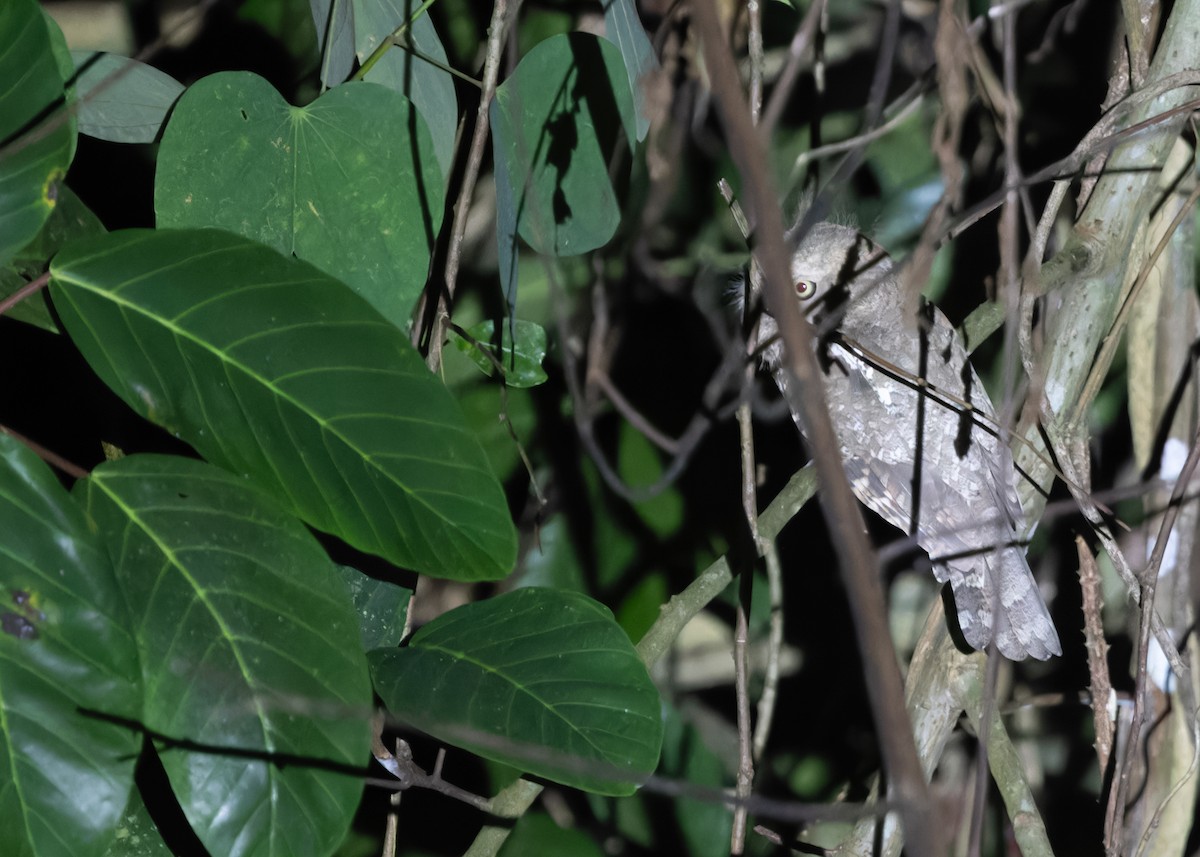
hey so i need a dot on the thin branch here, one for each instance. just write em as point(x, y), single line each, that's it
point(497, 30)
point(745, 772)
point(770, 690)
point(51, 458)
point(909, 102)
point(741, 638)
point(782, 92)
point(1100, 685)
point(755, 47)
point(30, 288)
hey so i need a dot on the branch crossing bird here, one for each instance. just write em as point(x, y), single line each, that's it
point(959, 496)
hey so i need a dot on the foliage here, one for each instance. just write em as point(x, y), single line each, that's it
point(264, 443)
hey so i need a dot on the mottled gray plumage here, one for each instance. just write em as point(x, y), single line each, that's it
point(969, 516)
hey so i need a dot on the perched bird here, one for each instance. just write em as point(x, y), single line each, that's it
point(958, 495)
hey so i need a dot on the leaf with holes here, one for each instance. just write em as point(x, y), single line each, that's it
point(250, 647)
point(281, 373)
point(542, 680)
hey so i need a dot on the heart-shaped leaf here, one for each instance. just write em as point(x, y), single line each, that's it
point(349, 183)
point(64, 651)
point(276, 371)
point(250, 646)
point(555, 122)
point(542, 680)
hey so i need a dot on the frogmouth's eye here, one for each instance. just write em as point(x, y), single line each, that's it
point(805, 289)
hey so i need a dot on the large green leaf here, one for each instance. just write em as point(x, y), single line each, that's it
point(543, 680)
point(121, 99)
point(250, 649)
point(36, 141)
point(278, 372)
point(349, 183)
point(64, 651)
point(554, 125)
point(430, 88)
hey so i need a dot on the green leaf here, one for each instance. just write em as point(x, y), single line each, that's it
point(639, 465)
point(706, 828)
point(69, 220)
point(381, 607)
point(120, 99)
point(542, 680)
point(522, 364)
point(37, 141)
point(349, 183)
point(334, 20)
point(280, 373)
point(536, 835)
point(137, 835)
point(249, 645)
point(555, 123)
point(482, 404)
point(290, 22)
point(430, 88)
point(64, 651)
point(507, 251)
point(623, 28)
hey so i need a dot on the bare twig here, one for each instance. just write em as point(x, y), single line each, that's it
point(908, 104)
point(497, 29)
point(1097, 651)
point(30, 288)
point(804, 37)
point(765, 546)
point(51, 458)
point(741, 658)
point(745, 771)
point(755, 46)
point(770, 690)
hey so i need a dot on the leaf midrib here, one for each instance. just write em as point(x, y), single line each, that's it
point(228, 360)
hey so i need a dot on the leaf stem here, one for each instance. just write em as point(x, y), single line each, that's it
point(25, 291)
point(394, 40)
